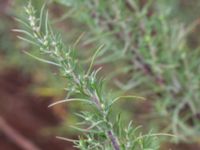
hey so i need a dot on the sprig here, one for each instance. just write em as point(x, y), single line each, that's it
point(99, 131)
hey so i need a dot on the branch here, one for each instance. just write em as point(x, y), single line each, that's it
point(16, 137)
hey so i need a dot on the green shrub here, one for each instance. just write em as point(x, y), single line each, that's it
point(157, 61)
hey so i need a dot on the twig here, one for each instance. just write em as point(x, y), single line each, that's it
point(16, 137)
point(114, 141)
point(143, 65)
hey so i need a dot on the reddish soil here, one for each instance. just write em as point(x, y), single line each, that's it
point(26, 113)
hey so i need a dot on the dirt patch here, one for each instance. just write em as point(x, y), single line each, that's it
point(26, 113)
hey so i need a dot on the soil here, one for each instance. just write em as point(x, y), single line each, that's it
point(27, 114)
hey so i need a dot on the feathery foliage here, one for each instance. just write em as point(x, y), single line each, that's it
point(99, 131)
point(158, 60)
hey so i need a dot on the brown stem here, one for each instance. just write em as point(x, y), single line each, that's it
point(145, 67)
point(129, 5)
point(16, 137)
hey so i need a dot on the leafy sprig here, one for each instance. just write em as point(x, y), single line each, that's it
point(99, 131)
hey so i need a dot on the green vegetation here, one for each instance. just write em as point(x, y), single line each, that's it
point(146, 47)
point(100, 130)
point(158, 62)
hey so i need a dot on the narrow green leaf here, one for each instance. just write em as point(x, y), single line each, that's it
point(27, 40)
point(93, 58)
point(69, 100)
point(42, 60)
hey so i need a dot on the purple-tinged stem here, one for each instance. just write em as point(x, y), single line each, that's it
point(113, 140)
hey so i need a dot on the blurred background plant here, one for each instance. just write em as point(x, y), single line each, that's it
point(162, 66)
point(157, 60)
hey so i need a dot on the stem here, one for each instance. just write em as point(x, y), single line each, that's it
point(121, 36)
point(96, 100)
point(114, 140)
point(67, 63)
point(16, 137)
